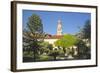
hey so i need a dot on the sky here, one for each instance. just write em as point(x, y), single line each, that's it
point(71, 21)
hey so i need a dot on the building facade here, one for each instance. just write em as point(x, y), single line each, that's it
point(52, 38)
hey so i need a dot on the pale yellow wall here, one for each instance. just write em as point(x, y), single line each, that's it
point(51, 41)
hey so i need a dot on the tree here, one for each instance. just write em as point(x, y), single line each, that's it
point(85, 40)
point(54, 53)
point(44, 47)
point(32, 32)
point(83, 50)
point(50, 46)
point(87, 30)
point(67, 41)
point(35, 24)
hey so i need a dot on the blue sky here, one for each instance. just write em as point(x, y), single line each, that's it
point(71, 21)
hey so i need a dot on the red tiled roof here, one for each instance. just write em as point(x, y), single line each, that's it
point(54, 37)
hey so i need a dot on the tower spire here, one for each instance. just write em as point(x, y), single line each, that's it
point(59, 27)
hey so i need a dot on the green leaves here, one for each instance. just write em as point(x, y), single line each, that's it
point(31, 35)
point(87, 30)
point(35, 24)
point(67, 41)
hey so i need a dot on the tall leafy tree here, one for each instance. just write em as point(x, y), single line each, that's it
point(67, 41)
point(85, 34)
point(31, 34)
point(34, 24)
point(87, 30)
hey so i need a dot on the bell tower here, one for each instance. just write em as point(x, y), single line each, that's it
point(59, 28)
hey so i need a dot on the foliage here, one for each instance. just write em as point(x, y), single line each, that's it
point(67, 41)
point(44, 58)
point(83, 50)
point(34, 27)
point(54, 53)
point(35, 24)
point(87, 30)
point(44, 47)
point(85, 34)
point(35, 49)
point(50, 46)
